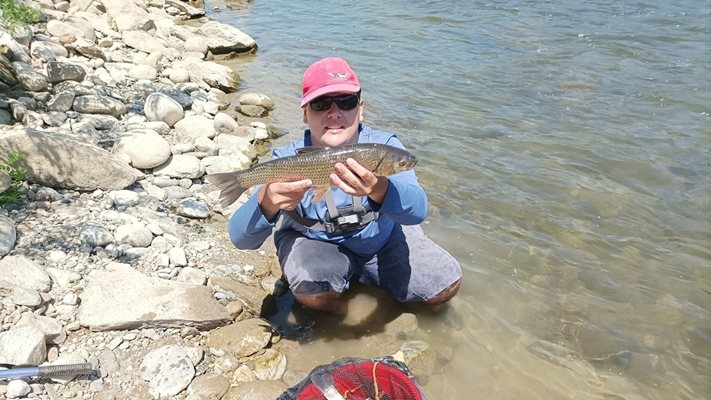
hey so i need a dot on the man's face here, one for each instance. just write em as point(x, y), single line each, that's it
point(333, 126)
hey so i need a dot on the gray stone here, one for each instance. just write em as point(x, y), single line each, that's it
point(30, 79)
point(61, 102)
point(121, 298)
point(223, 38)
point(161, 107)
point(8, 235)
point(61, 71)
point(93, 104)
point(61, 161)
point(94, 234)
point(193, 208)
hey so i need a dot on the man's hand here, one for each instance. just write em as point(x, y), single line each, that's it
point(354, 179)
point(277, 196)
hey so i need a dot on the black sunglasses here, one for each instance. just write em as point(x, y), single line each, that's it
point(345, 102)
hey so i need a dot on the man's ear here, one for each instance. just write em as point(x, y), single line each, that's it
point(361, 111)
point(306, 119)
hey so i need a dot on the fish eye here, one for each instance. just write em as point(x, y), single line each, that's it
point(403, 163)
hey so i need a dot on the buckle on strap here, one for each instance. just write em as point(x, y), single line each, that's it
point(344, 223)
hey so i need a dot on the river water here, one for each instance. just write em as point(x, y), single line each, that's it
point(566, 150)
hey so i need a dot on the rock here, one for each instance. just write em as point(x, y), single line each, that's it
point(93, 104)
point(52, 329)
point(146, 42)
point(209, 386)
point(19, 295)
point(241, 339)
point(61, 71)
point(223, 38)
point(61, 161)
point(29, 78)
point(145, 148)
point(195, 126)
point(8, 235)
point(7, 73)
point(95, 234)
point(135, 235)
point(223, 123)
point(135, 300)
point(192, 275)
point(257, 390)
point(24, 345)
point(269, 365)
point(257, 99)
point(17, 388)
point(24, 272)
point(47, 50)
point(88, 49)
point(181, 166)
point(61, 102)
point(193, 208)
point(161, 107)
point(210, 74)
point(77, 28)
point(168, 369)
point(252, 111)
point(252, 296)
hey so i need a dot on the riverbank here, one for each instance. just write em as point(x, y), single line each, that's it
point(118, 254)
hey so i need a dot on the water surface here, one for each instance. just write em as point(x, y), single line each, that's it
point(566, 150)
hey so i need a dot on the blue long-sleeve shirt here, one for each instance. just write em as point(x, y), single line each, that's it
point(405, 203)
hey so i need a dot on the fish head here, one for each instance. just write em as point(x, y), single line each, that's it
point(396, 160)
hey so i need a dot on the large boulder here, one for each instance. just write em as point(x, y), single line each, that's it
point(61, 161)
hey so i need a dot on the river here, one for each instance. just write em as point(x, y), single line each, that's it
point(566, 150)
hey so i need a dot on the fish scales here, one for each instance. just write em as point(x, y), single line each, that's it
point(316, 164)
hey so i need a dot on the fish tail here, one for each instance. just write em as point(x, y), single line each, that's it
point(229, 184)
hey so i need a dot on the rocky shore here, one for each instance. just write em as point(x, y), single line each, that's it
point(118, 255)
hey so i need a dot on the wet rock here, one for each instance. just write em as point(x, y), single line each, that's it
point(241, 339)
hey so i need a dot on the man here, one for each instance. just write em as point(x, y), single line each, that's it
point(384, 247)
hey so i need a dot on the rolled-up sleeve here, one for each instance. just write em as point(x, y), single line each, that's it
point(405, 201)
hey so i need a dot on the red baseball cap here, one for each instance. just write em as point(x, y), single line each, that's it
point(328, 75)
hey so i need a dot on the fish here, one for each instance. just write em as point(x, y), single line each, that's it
point(316, 163)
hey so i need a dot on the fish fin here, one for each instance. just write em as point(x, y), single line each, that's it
point(230, 189)
point(309, 149)
point(319, 192)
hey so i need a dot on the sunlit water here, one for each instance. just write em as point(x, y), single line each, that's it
point(566, 150)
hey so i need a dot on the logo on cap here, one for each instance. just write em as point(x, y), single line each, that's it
point(338, 75)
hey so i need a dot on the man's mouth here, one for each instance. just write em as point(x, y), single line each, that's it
point(334, 127)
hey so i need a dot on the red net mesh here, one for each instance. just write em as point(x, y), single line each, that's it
point(383, 379)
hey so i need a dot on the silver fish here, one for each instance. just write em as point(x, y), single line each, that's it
point(314, 163)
